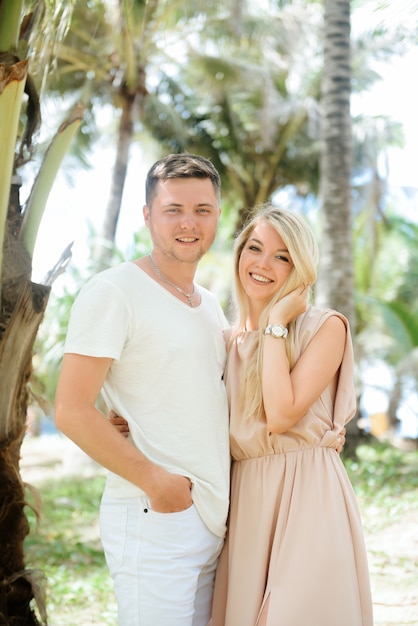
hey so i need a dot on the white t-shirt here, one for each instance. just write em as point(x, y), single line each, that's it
point(166, 379)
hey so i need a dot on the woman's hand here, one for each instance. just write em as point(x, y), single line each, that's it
point(290, 306)
point(119, 423)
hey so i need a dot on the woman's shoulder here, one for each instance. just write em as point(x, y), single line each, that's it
point(314, 317)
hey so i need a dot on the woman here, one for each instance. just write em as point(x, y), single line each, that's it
point(294, 553)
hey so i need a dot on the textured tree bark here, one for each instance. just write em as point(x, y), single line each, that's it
point(131, 100)
point(18, 586)
point(335, 286)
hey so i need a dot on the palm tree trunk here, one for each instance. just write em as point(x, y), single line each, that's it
point(17, 584)
point(132, 99)
point(120, 169)
point(335, 287)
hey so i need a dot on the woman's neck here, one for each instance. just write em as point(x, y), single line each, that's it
point(253, 317)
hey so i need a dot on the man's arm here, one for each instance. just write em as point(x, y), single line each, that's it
point(76, 415)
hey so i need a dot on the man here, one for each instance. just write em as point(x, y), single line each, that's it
point(152, 341)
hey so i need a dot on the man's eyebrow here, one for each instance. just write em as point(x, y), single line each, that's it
point(199, 204)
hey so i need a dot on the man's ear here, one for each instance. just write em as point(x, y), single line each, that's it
point(146, 213)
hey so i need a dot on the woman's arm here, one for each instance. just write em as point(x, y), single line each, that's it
point(288, 395)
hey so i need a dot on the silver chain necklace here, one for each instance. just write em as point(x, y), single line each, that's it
point(189, 296)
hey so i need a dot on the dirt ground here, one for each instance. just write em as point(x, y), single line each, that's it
point(392, 550)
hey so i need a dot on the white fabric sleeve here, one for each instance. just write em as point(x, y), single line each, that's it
point(100, 321)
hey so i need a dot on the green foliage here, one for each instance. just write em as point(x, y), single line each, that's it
point(386, 263)
point(385, 480)
point(45, 179)
point(246, 97)
point(9, 24)
point(66, 543)
point(408, 321)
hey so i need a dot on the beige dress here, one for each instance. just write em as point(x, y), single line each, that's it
point(295, 538)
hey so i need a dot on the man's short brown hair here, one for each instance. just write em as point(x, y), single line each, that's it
point(180, 166)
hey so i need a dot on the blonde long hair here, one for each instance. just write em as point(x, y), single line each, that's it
point(303, 249)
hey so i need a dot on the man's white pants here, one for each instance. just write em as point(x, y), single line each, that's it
point(162, 564)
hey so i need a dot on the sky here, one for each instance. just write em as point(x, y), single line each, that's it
point(396, 97)
point(76, 206)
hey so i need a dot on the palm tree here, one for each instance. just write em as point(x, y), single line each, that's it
point(335, 287)
point(22, 302)
point(231, 81)
point(126, 48)
point(246, 96)
point(137, 23)
point(196, 96)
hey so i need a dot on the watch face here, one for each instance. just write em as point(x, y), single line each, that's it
point(278, 331)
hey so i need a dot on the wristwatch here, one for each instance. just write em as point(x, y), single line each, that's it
point(276, 330)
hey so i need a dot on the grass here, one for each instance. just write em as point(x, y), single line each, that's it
point(65, 545)
point(385, 480)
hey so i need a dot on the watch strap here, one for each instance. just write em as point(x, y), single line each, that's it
point(282, 331)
